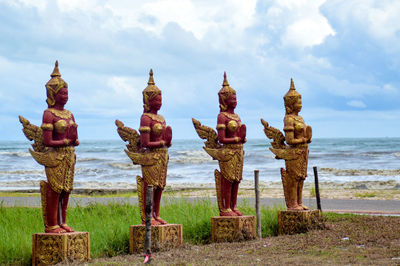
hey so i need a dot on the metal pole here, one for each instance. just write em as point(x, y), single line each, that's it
point(257, 189)
point(149, 210)
point(317, 188)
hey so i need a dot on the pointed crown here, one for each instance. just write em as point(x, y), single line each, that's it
point(224, 93)
point(292, 91)
point(54, 85)
point(150, 91)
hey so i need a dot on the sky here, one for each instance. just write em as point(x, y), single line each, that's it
point(343, 55)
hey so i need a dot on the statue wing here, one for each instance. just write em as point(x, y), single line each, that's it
point(222, 155)
point(143, 158)
point(207, 133)
point(275, 134)
point(48, 159)
point(286, 154)
point(130, 135)
point(34, 133)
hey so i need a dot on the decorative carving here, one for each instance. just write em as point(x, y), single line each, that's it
point(163, 237)
point(227, 148)
point(53, 148)
point(295, 222)
point(235, 228)
point(297, 136)
point(149, 149)
point(52, 248)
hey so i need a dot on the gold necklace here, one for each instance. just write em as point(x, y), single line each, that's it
point(65, 114)
point(158, 118)
point(231, 116)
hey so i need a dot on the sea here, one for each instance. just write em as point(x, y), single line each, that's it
point(104, 164)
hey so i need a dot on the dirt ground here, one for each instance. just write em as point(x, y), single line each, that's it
point(355, 240)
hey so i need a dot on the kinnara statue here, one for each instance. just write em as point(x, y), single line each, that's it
point(53, 147)
point(149, 149)
point(227, 148)
point(295, 152)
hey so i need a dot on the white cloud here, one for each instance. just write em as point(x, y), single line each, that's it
point(390, 89)
point(299, 22)
point(378, 18)
point(197, 17)
point(40, 5)
point(356, 103)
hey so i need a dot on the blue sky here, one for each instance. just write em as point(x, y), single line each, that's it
point(344, 57)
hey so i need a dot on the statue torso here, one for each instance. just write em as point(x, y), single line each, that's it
point(62, 124)
point(231, 122)
point(295, 123)
point(157, 126)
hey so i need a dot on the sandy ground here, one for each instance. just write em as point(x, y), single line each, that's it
point(374, 190)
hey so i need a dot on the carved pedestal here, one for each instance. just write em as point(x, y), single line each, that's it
point(163, 237)
point(295, 222)
point(232, 228)
point(54, 248)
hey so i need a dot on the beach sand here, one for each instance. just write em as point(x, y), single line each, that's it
point(374, 190)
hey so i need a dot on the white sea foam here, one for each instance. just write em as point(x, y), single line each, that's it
point(15, 153)
point(361, 172)
point(124, 166)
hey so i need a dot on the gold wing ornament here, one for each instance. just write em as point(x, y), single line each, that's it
point(212, 147)
point(34, 133)
point(275, 134)
point(279, 148)
point(132, 136)
point(42, 154)
point(207, 133)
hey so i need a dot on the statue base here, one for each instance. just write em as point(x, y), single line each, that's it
point(296, 222)
point(163, 237)
point(232, 228)
point(55, 248)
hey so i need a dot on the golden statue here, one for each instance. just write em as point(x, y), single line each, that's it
point(297, 136)
point(149, 149)
point(227, 148)
point(53, 147)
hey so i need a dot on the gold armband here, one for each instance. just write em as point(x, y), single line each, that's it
point(46, 126)
point(144, 129)
point(221, 126)
point(288, 128)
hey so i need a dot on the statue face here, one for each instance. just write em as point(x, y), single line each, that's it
point(62, 96)
point(155, 103)
point(232, 102)
point(297, 106)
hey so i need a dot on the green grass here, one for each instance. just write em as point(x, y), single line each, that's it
point(109, 225)
point(365, 195)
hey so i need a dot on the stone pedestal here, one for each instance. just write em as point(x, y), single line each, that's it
point(296, 222)
point(163, 237)
point(54, 248)
point(232, 228)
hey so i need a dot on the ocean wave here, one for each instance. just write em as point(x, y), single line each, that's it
point(22, 172)
point(88, 159)
point(361, 172)
point(397, 154)
point(190, 156)
point(124, 166)
point(15, 153)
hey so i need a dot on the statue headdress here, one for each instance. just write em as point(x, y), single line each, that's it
point(291, 96)
point(150, 92)
point(224, 93)
point(54, 85)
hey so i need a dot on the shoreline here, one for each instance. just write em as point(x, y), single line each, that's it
point(373, 190)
